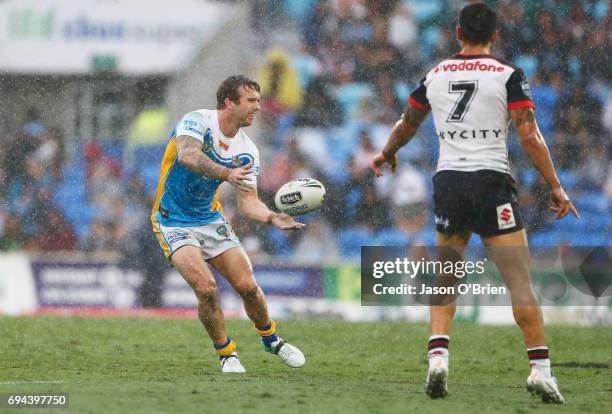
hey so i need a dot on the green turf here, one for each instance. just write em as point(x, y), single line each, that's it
point(167, 366)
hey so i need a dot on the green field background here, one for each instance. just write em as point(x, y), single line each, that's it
point(111, 365)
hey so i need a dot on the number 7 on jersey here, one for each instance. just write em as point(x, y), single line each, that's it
point(466, 91)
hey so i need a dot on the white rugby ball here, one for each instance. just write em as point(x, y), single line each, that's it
point(300, 196)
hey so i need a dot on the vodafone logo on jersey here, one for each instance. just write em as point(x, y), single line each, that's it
point(469, 66)
point(505, 216)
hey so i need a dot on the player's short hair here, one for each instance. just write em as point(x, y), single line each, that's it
point(230, 88)
point(477, 22)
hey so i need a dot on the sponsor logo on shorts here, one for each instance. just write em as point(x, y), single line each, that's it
point(176, 236)
point(223, 231)
point(291, 198)
point(505, 216)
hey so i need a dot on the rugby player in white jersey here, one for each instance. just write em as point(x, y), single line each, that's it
point(472, 96)
point(206, 148)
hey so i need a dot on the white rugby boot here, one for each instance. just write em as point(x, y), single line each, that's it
point(437, 377)
point(288, 353)
point(546, 388)
point(231, 364)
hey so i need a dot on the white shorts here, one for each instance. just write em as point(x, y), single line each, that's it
point(213, 238)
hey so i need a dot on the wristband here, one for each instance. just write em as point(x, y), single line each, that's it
point(224, 174)
point(271, 217)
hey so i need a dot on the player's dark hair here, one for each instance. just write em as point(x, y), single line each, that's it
point(230, 88)
point(478, 22)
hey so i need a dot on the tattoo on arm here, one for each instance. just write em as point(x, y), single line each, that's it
point(404, 130)
point(522, 116)
point(189, 153)
point(413, 116)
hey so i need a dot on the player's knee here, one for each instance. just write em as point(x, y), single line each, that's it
point(527, 315)
point(205, 290)
point(247, 289)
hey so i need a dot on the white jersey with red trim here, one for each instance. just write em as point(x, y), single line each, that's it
point(470, 96)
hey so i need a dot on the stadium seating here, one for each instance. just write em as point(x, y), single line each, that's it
point(352, 238)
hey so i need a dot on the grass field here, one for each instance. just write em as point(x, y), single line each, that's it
point(167, 366)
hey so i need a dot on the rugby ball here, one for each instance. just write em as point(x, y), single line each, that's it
point(300, 196)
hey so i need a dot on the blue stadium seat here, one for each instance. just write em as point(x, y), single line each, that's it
point(351, 240)
point(575, 66)
point(595, 221)
point(299, 9)
point(529, 64)
point(402, 91)
point(528, 177)
point(546, 99)
point(350, 96)
point(427, 236)
point(430, 38)
point(150, 177)
point(284, 128)
point(342, 142)
point(113, 149)
point(425, 9)
point(543, 238)
point(306, 67)
point(592, 201)
point(150, 153)
point(352, 200)
point(391, 237)
point(280, 241)
point(571, 224)
point(82, 230)
point(568, 178)
point(590, 239)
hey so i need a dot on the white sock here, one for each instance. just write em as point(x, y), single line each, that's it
point(438, 351)
point(541, 364)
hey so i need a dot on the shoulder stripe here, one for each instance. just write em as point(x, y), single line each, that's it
point(416, 104)
point(521, 104)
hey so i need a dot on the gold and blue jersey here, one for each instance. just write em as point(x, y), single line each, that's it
point(185, 198)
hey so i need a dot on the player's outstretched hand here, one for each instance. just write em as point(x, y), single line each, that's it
point(241, 177)
point(561, 204)
point(379, 160)
point(285, 222)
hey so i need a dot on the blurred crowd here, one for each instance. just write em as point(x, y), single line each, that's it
point(57, 195)
point(329, 101)
point(331, 98)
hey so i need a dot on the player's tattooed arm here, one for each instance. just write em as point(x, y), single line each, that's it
point(522, 116)
point(534, 145)
point(190, 155)
point(402, 132)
